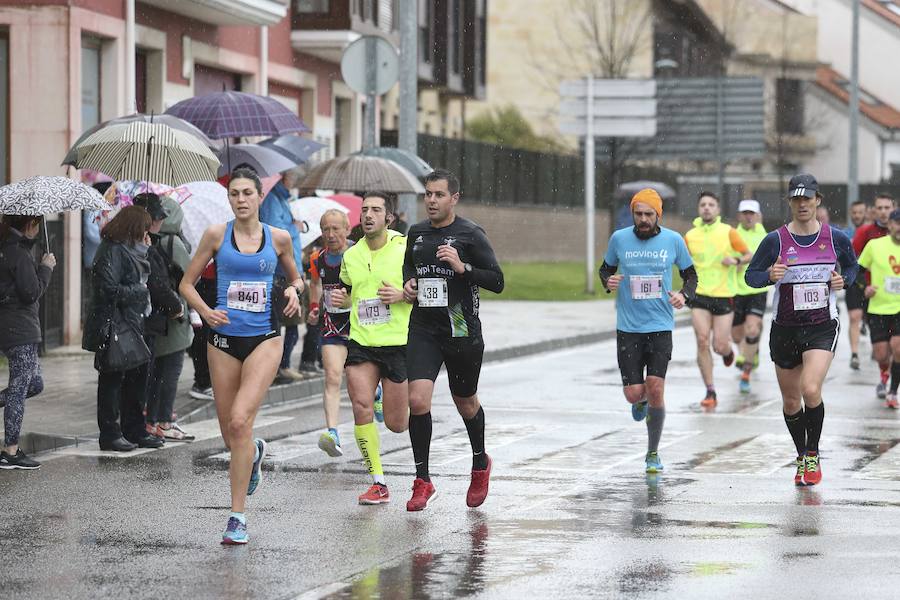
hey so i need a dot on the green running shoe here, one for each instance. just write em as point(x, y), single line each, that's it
point(654, 465)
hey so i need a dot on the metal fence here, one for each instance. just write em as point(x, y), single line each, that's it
point(510, 176)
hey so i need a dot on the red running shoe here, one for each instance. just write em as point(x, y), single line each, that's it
point(478, 488)
point(728, 359)
point(813, 472)
point(377, 494)
point(423, 492)
point(801, 468)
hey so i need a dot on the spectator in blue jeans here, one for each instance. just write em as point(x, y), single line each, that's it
point(22, 283)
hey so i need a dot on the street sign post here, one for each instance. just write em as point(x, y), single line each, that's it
point(370, 66)
point(606, 108)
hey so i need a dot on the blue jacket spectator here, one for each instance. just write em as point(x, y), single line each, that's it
point(90, 237)
point(276, 211)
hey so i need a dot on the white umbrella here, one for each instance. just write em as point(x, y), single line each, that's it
point(207, 205)
point(310, 211)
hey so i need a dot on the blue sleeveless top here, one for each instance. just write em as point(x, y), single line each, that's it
point(244, 286)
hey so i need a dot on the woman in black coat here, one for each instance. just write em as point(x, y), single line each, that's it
point(120, 295)
point(22, 283)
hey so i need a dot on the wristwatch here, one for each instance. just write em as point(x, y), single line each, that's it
point(467, 267)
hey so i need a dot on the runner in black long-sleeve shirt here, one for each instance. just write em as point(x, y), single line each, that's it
point(447, 259)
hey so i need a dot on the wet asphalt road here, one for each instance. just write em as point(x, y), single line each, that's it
point(571, 513)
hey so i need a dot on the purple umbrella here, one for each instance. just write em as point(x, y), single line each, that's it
point(238, 114)
point(293, 147)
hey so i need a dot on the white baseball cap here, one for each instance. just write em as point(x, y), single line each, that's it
point(749, 205)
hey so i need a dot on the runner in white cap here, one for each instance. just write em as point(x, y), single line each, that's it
point(749, 303)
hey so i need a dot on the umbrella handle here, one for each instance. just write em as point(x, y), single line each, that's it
point(46, 235)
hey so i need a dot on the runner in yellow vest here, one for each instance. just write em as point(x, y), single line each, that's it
point(716, 249)
point(372, 273)
point(881, 257)
point(749, 303)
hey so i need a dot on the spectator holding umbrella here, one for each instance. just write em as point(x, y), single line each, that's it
point(22, 283)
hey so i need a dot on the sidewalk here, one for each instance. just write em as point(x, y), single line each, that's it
point(65, 413)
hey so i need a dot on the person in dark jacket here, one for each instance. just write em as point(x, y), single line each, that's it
point(120, 277)
point(168, 315)
point(22, 283)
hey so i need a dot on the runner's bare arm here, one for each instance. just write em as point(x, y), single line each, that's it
point(206, 250)
point(285, 248)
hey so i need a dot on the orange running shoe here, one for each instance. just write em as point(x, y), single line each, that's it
point(813, 472)
point(377, 494)
point(710, 400)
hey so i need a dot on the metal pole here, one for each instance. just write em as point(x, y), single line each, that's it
point(263, 61)
point(371, 66)
point(589, 187)
point(853, 166)
point(130, 93)
point(720, 133)
point(409, 92)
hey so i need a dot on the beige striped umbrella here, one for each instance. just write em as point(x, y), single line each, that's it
point(141, 151)
point(359, 173)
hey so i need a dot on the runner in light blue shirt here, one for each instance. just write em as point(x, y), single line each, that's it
point(639, 264)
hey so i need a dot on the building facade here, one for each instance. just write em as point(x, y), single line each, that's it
point(63, 66)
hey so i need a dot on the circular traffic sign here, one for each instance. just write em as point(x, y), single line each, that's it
point(370, 65)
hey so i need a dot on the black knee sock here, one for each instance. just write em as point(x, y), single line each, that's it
point(895, 376)
point(814, 419)
point(420, 437)
point(796, 424)
point(475, 427)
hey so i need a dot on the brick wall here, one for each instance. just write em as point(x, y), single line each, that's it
point(540, 233)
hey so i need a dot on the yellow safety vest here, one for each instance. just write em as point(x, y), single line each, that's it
point(708, 245)
point(753, 238)
point(364, 270)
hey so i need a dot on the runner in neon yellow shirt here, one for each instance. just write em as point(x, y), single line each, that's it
point(716, 249)
point(882, 258)
point(372, 270)
point(749, 303)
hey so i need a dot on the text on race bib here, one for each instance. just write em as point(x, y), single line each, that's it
point(249, 296)
point(645, 287)
point(892, 285)
point(432, 292)
point(810, 296)
point(373, 312)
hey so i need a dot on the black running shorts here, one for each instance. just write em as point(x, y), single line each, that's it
point(391, 360)
point(753, 304)
point(855, 298)
point(239, 347)
point(426, 352)
point(637, 351)
point(717, 306)
point(883, 327)
point(788, 343)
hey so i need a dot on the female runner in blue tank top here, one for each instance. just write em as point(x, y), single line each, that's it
point(244, 345)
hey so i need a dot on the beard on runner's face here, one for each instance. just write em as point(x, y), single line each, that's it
point(645, 228)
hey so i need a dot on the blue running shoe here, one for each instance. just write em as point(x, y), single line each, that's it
point(639, 411)
point(379, 405)
point(330, 443)
point(744, 385)
point(256, 473)
point(654, 465)
point(235, 533)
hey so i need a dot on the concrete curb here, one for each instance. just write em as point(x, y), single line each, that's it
point(311, 388)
